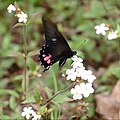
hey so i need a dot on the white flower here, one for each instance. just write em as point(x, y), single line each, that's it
point(112, 35)
point(77, 92)
point(100, 29)
point(71, 74)
point(85, 74)
point(11, 8)
point(76, 59)
point(91, 78)
point(22, 17)
point(82, 90)
point(26, 112)
point(77, 64)
point(29, 113)
point(86, 89)
point(35, 116)
point(79, 71)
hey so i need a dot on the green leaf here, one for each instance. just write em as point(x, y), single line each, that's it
point(15, 54)
point(11, 92)
point(96, 10)
point(96, 56)
point(6, 41)
point(43, 109)
point(54, 80)
point(49, 94)
point(12, 103)
point(103, 88)
point(29, 100)
point(32, 53)
point(31, 64)
point(116, 72)
point(5, 117)
point(61, 98)
point(3, 103)
point(36, 95)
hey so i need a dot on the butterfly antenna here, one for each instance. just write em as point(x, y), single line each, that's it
point(81, 45)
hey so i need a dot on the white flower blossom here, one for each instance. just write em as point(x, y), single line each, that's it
point(22, 17)
point(101, 29)
point(35, 116)
point(91, 78)
point(79, 71)
point(11, 8)
point(86, 89)
point(77, 92)
point(77, 64)
point(82, 90)
point(76, 59)
point(27, 111)
point(71, 74)
point(85, 74)
point(112, 35)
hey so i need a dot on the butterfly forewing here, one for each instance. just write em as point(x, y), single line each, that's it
point(55, 48)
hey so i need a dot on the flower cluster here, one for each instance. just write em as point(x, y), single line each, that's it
point(102, 28)
point(29, 113)
point(83, 77)
point(22, 17)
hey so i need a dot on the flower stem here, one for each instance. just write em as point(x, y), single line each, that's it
point(119, 50)
point(25, 80)
point(59, 92)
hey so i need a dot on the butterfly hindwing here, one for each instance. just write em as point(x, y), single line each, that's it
point(56, 47)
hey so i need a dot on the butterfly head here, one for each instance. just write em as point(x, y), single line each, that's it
point(74, 53)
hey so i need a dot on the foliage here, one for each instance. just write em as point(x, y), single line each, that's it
point(76, 20)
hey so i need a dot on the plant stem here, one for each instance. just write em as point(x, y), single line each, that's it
point(54, 81)
point(59, 92)
point(25, 81)
point(119, 50)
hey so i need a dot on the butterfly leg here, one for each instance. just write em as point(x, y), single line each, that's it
point(62, 62)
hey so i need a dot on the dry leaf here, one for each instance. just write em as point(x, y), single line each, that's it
point(109, 105)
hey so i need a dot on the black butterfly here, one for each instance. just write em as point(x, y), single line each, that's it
point(56, 47)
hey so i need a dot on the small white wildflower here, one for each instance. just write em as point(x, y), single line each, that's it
point(76, 92)
point(76, 59)
point(11, 8)
point(22, 17)
point(79, 71)
point(27, 111)
point(85, 74)
point(71, 74)
point(112, 35)
point(86, 89)
point(77, 64)
point(35, 116)
point(91, 78)
point(100, 29)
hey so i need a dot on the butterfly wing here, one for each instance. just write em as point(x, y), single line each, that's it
point(56, 47)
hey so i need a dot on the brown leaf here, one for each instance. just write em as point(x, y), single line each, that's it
point(108, 105)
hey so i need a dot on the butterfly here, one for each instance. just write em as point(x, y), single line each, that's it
point(55, 48)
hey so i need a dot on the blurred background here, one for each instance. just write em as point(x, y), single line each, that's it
point(76, 20)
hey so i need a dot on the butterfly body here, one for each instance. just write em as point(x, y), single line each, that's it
point(55, 48)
